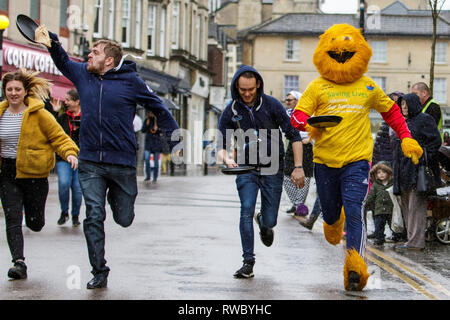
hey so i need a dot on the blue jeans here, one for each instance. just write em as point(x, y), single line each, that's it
point(68, 179)
point(101, 181)
point(155, 167)
point(346, 186)
point(248, 185)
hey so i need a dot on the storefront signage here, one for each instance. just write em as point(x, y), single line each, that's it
point(21, 57)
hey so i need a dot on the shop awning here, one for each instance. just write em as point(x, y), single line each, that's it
point(214, 109)
point(59, 91)
point(170, 104)
point(160, 82)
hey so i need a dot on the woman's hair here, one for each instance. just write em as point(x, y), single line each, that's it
point(73, 93)
point(35, 87)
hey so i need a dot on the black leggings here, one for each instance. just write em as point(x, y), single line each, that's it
point(17, 195)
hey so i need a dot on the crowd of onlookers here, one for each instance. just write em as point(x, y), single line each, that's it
point(394, 178)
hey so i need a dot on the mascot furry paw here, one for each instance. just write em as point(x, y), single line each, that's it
point(342, 57)
point(333, 233)
point(355, 271)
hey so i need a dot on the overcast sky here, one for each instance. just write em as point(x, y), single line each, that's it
point(351, 6)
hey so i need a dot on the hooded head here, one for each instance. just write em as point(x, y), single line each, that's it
point(380, 166)
point(342, 55)
point(251, 86)
point(413, 104)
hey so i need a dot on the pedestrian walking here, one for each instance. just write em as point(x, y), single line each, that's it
point(295, 195)
point(153, 146)
point(68, 181)
point(254, 112)
point(414, 203)
point(29, 136)
point(379, 200)
point(109, 90)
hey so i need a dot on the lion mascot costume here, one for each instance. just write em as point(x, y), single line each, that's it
point(342, 154)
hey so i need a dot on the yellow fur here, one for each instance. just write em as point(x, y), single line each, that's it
point(354, 262)
point(412, 149)
point(340, 38)
point(333, 233)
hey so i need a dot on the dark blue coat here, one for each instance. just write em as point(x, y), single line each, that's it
point(153, 141)
point(108, 105)
point(267, 113)
point(423, 129)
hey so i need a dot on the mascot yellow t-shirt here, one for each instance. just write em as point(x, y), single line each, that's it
point(351, 140)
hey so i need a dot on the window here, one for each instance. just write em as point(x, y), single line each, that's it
point(151, 29)
point(290, 83)
point(379, 49)
point(126, 9)
point(239, 54)
point(137, 40)
point(440, 52)
point(292, 50)
point(98, 18)
point(162, 33)
point(381, 82)
point(185, 26)
point(111, 15)
point(35, 9)
point(4, 6)
point(175, 25)
point(63, 30)
point(198, 33)
point(194, 14)
point(440, 90)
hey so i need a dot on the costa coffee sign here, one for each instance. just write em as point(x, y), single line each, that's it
point(31, 59)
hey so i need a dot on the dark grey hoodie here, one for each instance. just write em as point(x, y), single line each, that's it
point(266, 113)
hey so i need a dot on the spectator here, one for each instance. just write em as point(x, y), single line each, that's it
point(446, 138)
point(153, 146)
point(379, 199)
point(414, 204)
point(297, 196)
point(429, 105)
point(68, 177)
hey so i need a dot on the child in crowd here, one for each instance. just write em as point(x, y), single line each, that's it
point(379, 200)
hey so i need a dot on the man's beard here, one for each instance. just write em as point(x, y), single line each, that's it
point(96, 69)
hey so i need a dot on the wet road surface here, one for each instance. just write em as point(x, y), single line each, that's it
point(184, 244)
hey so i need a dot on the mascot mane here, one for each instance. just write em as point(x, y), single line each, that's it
point(342, 55)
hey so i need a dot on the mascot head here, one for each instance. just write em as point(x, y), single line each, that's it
point(342, 55)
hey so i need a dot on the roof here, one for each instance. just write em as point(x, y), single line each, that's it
point(316, 24)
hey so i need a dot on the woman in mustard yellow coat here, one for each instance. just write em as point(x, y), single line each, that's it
point(29, 137)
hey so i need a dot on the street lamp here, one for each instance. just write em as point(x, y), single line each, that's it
point(4, 23)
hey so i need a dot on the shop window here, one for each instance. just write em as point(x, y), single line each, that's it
point(63, 29)
point(35, 8)
point(4, 7)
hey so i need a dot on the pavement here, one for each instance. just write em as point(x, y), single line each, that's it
point(184, 244)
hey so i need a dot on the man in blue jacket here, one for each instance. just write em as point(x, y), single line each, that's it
point(109, 90)
point(254, 119)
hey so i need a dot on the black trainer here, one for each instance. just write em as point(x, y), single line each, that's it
point(308, 224)
point(246, 271)
point(75, 221)
point(98, 281)
point(291, 210)
point(19, 271)
point(266, 234)
point(63, 218)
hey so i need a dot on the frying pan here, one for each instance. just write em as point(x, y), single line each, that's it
point(324, 121)
point(26, 26)
point(238, 170)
